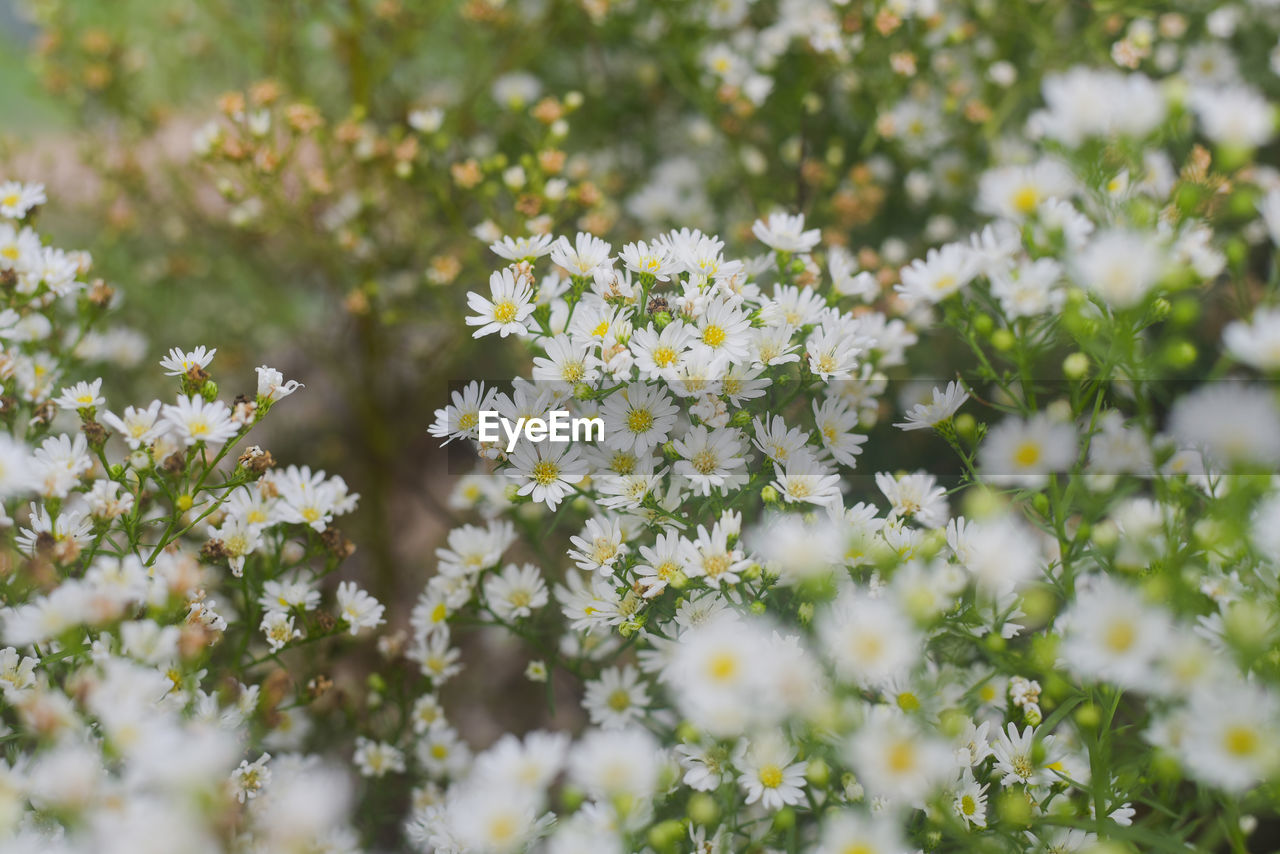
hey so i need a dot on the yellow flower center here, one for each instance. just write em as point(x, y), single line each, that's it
point(468, 420)
point(722, 666)
point(545, 472)
point(713, 336)
point(1027, 455)
point(716, 565)
point(771, 776)
point(901, 757)
point(505, 311)
point(1119, 636)
point(967, 805)
point(1240, 740)
point(704, 462)
point(619, 700)
point(1026, 199)
point(639, 420)
point(664, 357)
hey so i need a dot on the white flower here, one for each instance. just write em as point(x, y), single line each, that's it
point(895, 760)
point(1120, 266)
point(509, 305)
point(617, 699)
point(1233, 424)
point(600, 545)
point(870, 641)
point(1234, 115)
point(358, 608)
point(272, 385)
point(638, 417)
point(785, 233)
point(1256, 342)
point(1018, 192)
point(612, 763)
point(377, 758)
point(769, 776)
point(461, 418)
point(916, 497)
point(521, 248)
point(662, 564)
point(138, 427)
point(279, 629)
point(251, 778)
point(515, 592)
point(803, 479)
point(940, 274)
point(17, 199)
point(1023, 453)
point(1084, 102)
point(709, 458)
point(194, 420)
point(970, 802)
point(178, 363)
point(546, 472)
point(709, 557)
point(944, 405)
point(582, 257)
point(1231, 736)
point(82, 395)
point(1111, 634)
point(648, 260)
point(848, 831)
point(1017, 760)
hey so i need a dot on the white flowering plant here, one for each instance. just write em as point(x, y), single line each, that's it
point(1062, 641)
point(935, 506)
point(156, 568)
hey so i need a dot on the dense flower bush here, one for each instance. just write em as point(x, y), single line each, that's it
point(160, 564)
point(935, 507)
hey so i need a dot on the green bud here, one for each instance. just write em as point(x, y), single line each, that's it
point(703, 809)
point(785, 819)
point(116, 471)
point(572, 797)
point(1188, 198)
point(966, 426)
point(805, 613)
point(1041, 503)
point(1186, 312)
point(1237, 251)
point(582, 391)
point(1002, 340)
point(209, 391)
point(741, 418)
point(769, 495)
point(995, 642)
point(758, 608)
point(665, 834)
point(1088, 716)
point(1180, 354)
point(662, 320)
point(376, 682)
point(669, 451)
point(686, 732)
point(1014, 808)
point(818, 773)
point(983, 324)
point(1076, 366)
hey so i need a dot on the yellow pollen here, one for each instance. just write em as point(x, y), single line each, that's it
point(619, 700)
point(468, 420)
point(704, 462)
point(439, 751)
point(1119, 637)
point(1240, 740)
point(311, 514)
point(713, 336)
point(1027, 455)
point(1026, 199)
point(505, 311)
point(722, 667)
point(438, 613)
point(664, 357)
point(967, 805)
point(545, 472)
point(771, 776)
point(908, 702)
point(10, 200)
point(716, 565)
point(901, 757)
point(10, 252)
point(572, 372)
point(944, 283)
point(600, 329)
point(639, 420)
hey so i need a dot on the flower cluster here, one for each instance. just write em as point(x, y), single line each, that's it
point(773, 650)
point(143, 544)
